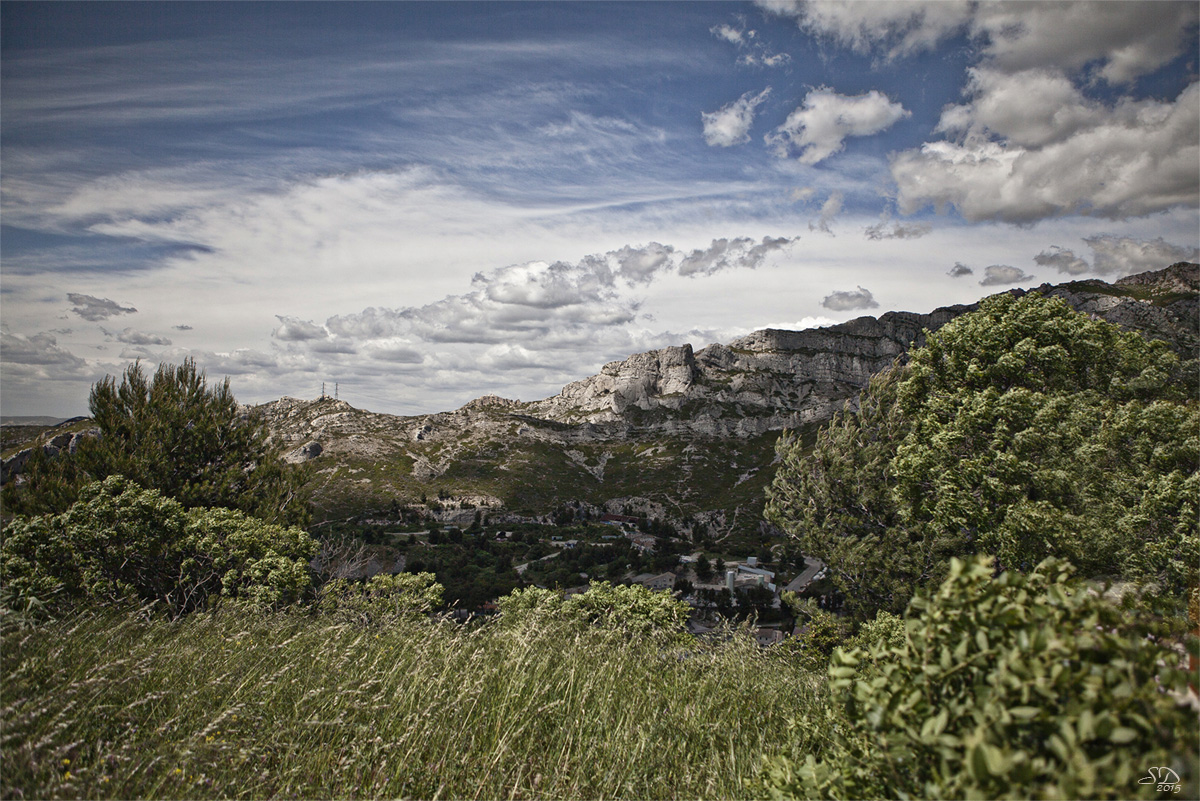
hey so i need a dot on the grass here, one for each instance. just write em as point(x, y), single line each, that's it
point(238, 705)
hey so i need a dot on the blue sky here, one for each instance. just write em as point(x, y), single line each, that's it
point(426, 202)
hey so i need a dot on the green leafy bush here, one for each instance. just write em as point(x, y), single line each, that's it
point(381, 598)
point(1016, 686)
point(1023, 431)
point(121, 542)
point(633, 610)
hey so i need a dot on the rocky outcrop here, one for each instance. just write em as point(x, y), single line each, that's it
point(66, 442)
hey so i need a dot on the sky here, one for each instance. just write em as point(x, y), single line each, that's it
point(423, 203)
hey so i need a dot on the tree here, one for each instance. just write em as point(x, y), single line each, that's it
point(175, 434)
point(1023, 430)
point(1011, 686)
point(120, 542)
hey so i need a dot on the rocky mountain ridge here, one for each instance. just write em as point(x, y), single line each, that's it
point(694, 426)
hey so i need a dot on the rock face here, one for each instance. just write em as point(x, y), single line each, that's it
point(773, 379)
point(766, 381)
point(66, 442)
point(674, 423)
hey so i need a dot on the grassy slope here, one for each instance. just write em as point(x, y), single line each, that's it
point(236, 705)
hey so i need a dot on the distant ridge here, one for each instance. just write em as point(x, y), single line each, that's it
point(34, 420)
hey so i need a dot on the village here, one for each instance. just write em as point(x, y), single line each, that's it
point(480, 556)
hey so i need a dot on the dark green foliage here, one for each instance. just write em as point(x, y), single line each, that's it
point(120, 543)
point(176, 434)
point(1017, 686)
point(1022, 431)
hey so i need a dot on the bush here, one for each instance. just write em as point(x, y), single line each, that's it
point(1018, 686)
point(632, 611)
point(120, 542)
point(381, 598)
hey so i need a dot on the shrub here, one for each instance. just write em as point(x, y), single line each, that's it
point(381, 598)
point(1017, 686)
point(121, 542)
point(633, 611)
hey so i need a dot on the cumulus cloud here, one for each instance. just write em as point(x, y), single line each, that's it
point(850, 300)
point(1118, 41)
point(730, 125)
point(292, 329)
point(526, 316)
point(39, 349)
point(899, 28)
point(1063, 260)
point(1123, 255)
point(725, 254)
point(959, 270)
point(1137, 158)
point(881, 230)
point(829, 211)
point(1004, 275)
point(96, 309)
point(133, 337)
point(819, 127)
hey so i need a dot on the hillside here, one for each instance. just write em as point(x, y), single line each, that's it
point(675, 432)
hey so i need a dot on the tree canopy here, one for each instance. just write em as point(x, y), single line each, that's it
point(1024, 430)
point(175, 433)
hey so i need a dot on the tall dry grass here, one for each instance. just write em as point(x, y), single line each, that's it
point(239, 705)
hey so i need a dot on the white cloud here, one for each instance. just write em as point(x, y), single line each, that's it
point(900, 27)
point(38, 349)
point(1123, 255)
point(95, 309)
point(1137, 159)
point(730, 125)
point(819, 127)
point(1004, 275)
point(850, 300)
point(829, 211)
point(735, 36)
point(1120, 40)
point(1124, 40)
point(292, 329)
point(131, 336)
point(1063, 260)
point(880, 230)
